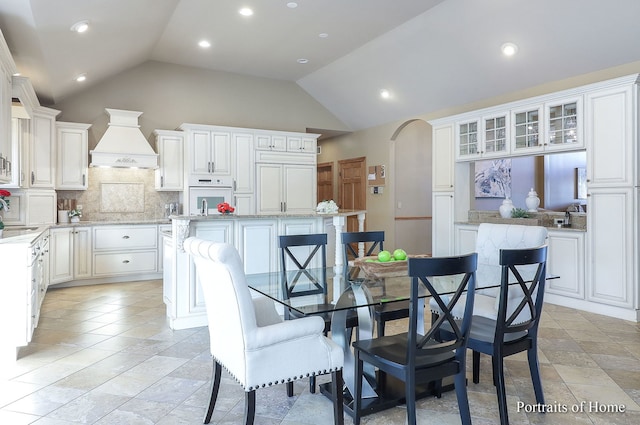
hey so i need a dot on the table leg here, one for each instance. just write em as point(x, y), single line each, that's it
point(354, 295)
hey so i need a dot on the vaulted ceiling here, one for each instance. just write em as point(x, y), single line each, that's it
point(429, 54)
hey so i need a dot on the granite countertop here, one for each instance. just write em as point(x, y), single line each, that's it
point(340, 213)
point(28, 234)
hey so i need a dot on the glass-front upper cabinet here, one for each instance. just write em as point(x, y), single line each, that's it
point(496, 136)
point(468, 140)
point(482, 138)
point(526, 126)
point(564, 124)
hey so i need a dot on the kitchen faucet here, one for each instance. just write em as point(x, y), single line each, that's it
point(204, 209)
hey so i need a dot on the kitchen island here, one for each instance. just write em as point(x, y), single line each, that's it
point(256, 239)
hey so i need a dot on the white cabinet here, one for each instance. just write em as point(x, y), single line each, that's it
point(466, 236)
point(42, 165)
point(256, 243)
point(41, 207)
point(526, 123)
point(272, 142)
point(486, 137)
point(169, 176)
point(70, 254)
point(209, 153)
point(244, 173)
point(72, 141)
point(610, 137)
point(563, 128)
point(286, 142)
point(285, 188)
point(611, 236)
point(5, 125)
point(443, 158)
point(565, 258)
point(443, 224)
point(122, 250)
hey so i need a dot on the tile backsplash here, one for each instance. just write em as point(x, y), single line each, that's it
point(120, 194)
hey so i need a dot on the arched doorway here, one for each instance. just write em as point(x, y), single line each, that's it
point(411, 153)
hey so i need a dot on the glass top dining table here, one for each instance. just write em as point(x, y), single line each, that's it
point(360, 294)
point(307, 298)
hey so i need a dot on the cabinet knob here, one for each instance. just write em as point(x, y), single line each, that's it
point(126, 261)
point(125, 237)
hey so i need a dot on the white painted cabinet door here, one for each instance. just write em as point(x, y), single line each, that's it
point(72, 141)
point(565, 258)
point(41, 207)
point(42, 167)
point(443, 220)
point(609, 137)
point(299, 188)
point(61, 258)
point(256, 241)
point(466, 236)
point(5, 126)
point(610, 246)
point(269, 193)
point(82, 253)
point(200, 152)
point(443, 158)
point(244, 178)
point(170, 147)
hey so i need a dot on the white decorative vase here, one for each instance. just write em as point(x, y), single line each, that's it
point(532, 201)
point(506, 208)
point(75, 219)
point(1, 230)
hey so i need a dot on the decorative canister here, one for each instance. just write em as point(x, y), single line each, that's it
point(506, 208)
point(532, 201)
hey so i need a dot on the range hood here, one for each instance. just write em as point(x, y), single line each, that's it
point(123, 144)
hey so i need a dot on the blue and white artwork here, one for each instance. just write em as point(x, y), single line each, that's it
point(493, 178)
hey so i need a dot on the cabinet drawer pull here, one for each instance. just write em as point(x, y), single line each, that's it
point(125, 237)
point(125, 261)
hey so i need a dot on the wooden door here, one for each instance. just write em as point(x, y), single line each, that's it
point(325, 182)
point(352, 186)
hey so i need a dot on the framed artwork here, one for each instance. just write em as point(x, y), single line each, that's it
point(493, 178)
point(581, 183)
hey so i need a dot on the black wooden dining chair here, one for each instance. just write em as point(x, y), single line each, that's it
point(385, 312)
point(516, 327)
point(298, 254)
point(414, 358)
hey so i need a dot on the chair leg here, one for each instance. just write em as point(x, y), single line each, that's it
point(410, 396)
point(357, 391)
point(338, 400)
point(249, 407)
point(215, 386)
point(380, 323)
point(476, 367)
point(312, 384)
point(460, 382)
point(290, 389)
point(534, 369)
point(498, 373)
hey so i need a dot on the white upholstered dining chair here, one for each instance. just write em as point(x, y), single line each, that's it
point(248, 337)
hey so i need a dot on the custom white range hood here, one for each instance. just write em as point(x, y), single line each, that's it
point(123, 144)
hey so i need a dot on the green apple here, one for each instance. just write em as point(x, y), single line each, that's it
point(399, 254)
point(384, 256)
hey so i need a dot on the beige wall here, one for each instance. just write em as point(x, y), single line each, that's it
point(374, 143)
point(169, 95)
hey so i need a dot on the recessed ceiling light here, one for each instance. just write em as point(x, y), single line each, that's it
point(292, 5)
point(82, 77)
point(303, 60)
point(80, 27)
point(385, 94)
point(323, 35)
point(204, 44)
point(509, 49)
point(245, 11)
